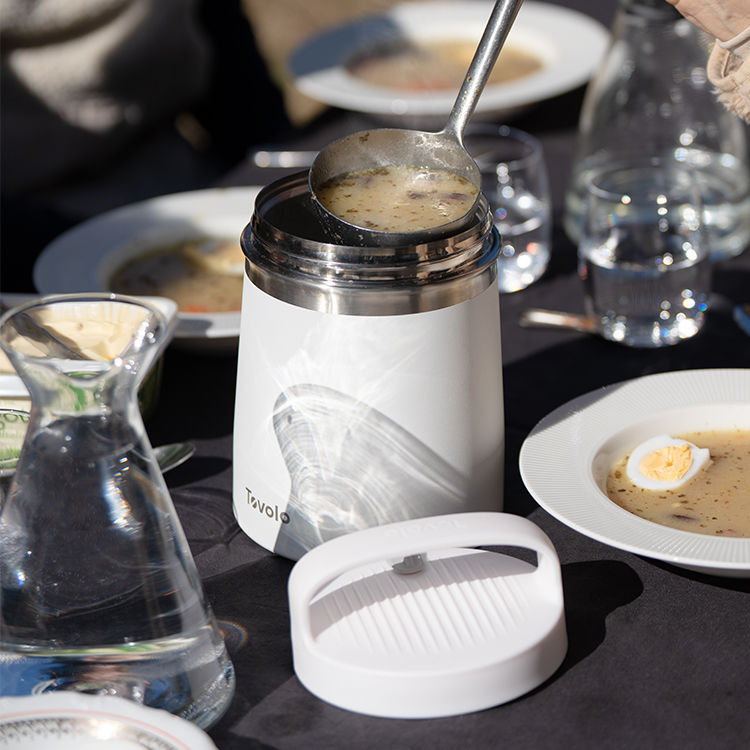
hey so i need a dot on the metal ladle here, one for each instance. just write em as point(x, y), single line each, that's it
point(395, 146)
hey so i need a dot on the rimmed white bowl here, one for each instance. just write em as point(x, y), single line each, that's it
point(565, 460)
point(569, 44)
point(67, 720)
point(84, 258)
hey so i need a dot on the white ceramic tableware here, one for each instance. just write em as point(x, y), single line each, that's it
point(565, 459)
point(76, 721)
point(569, 43)
point(84, 258)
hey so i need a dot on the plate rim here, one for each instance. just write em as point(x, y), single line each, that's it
point(57, 270)
point(335, 87)
point(580, 416)
point(180, 733)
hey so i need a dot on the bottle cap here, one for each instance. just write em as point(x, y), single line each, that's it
point(408, 620)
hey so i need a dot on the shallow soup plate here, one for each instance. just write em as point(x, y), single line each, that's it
point(565, 460)
point(85, 258)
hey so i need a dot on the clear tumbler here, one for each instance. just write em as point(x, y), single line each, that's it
point(643, 254)
point(516, 185)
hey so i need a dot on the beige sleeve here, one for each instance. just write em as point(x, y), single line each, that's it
point(739, 45)
point(731, 76)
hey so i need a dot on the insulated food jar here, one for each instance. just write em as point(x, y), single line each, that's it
point(369, 384)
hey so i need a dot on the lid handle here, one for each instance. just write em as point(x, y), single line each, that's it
point(328, 561)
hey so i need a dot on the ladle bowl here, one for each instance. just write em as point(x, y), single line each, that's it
point(384, 147)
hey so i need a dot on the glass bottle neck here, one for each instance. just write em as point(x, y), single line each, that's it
point(656, 10)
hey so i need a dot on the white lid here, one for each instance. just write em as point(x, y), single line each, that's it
point(470, 629)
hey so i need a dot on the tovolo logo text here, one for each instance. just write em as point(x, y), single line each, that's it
point(270, 511)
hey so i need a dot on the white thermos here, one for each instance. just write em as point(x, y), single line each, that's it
point(369, 384)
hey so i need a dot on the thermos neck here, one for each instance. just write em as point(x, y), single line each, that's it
point(289, 257)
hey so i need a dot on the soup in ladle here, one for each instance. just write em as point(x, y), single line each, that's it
point(398, 198)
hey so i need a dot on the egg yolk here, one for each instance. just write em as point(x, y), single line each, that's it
point(668, 464)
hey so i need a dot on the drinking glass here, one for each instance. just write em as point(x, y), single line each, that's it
point(643, 254)
point(516, 184)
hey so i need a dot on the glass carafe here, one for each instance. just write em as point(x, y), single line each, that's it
point(100, 593)
point(651, 98)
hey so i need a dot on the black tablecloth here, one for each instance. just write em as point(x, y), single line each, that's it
point(658, 656)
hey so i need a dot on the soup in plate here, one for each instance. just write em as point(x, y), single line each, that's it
point(438, 65)
point(716, 500)
point(201, 276)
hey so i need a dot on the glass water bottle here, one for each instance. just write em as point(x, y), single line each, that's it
point(651, 97)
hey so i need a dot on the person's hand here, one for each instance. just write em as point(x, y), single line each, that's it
point(722, 19)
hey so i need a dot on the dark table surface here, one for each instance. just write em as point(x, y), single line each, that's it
point(658, 656)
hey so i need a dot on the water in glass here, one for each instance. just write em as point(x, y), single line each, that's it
point(643, 256)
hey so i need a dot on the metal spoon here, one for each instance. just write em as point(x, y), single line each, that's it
point(30, 329)
point(167, 456)
point(394, 146)
point(538, 318)
point(173, 455)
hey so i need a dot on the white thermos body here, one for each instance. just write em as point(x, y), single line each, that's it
point(369, 384)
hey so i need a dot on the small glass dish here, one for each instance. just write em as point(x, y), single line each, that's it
point(13, 424)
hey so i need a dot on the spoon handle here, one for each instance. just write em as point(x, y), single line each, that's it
point(498, 27)
point(537, 318)
point(30, 329)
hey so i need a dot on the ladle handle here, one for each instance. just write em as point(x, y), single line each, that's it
point(495, 33)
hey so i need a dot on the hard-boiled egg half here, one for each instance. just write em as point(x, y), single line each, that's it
point(216, 256)
point(663, 463)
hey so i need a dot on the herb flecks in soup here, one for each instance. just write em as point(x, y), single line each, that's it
point(716, 500)
point(438, 65)
point(199, 275)
point(398, 198)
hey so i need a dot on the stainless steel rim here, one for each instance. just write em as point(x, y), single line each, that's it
point(308, 272)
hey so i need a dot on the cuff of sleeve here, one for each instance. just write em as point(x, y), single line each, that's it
point(731, 76)
point(739, 45)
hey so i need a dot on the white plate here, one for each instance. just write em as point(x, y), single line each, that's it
point(73, 721)
point(11, 386)
point(83, 258)
point(570, 44)
point(565, 459)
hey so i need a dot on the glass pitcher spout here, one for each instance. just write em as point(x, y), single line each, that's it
point(99, 591)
